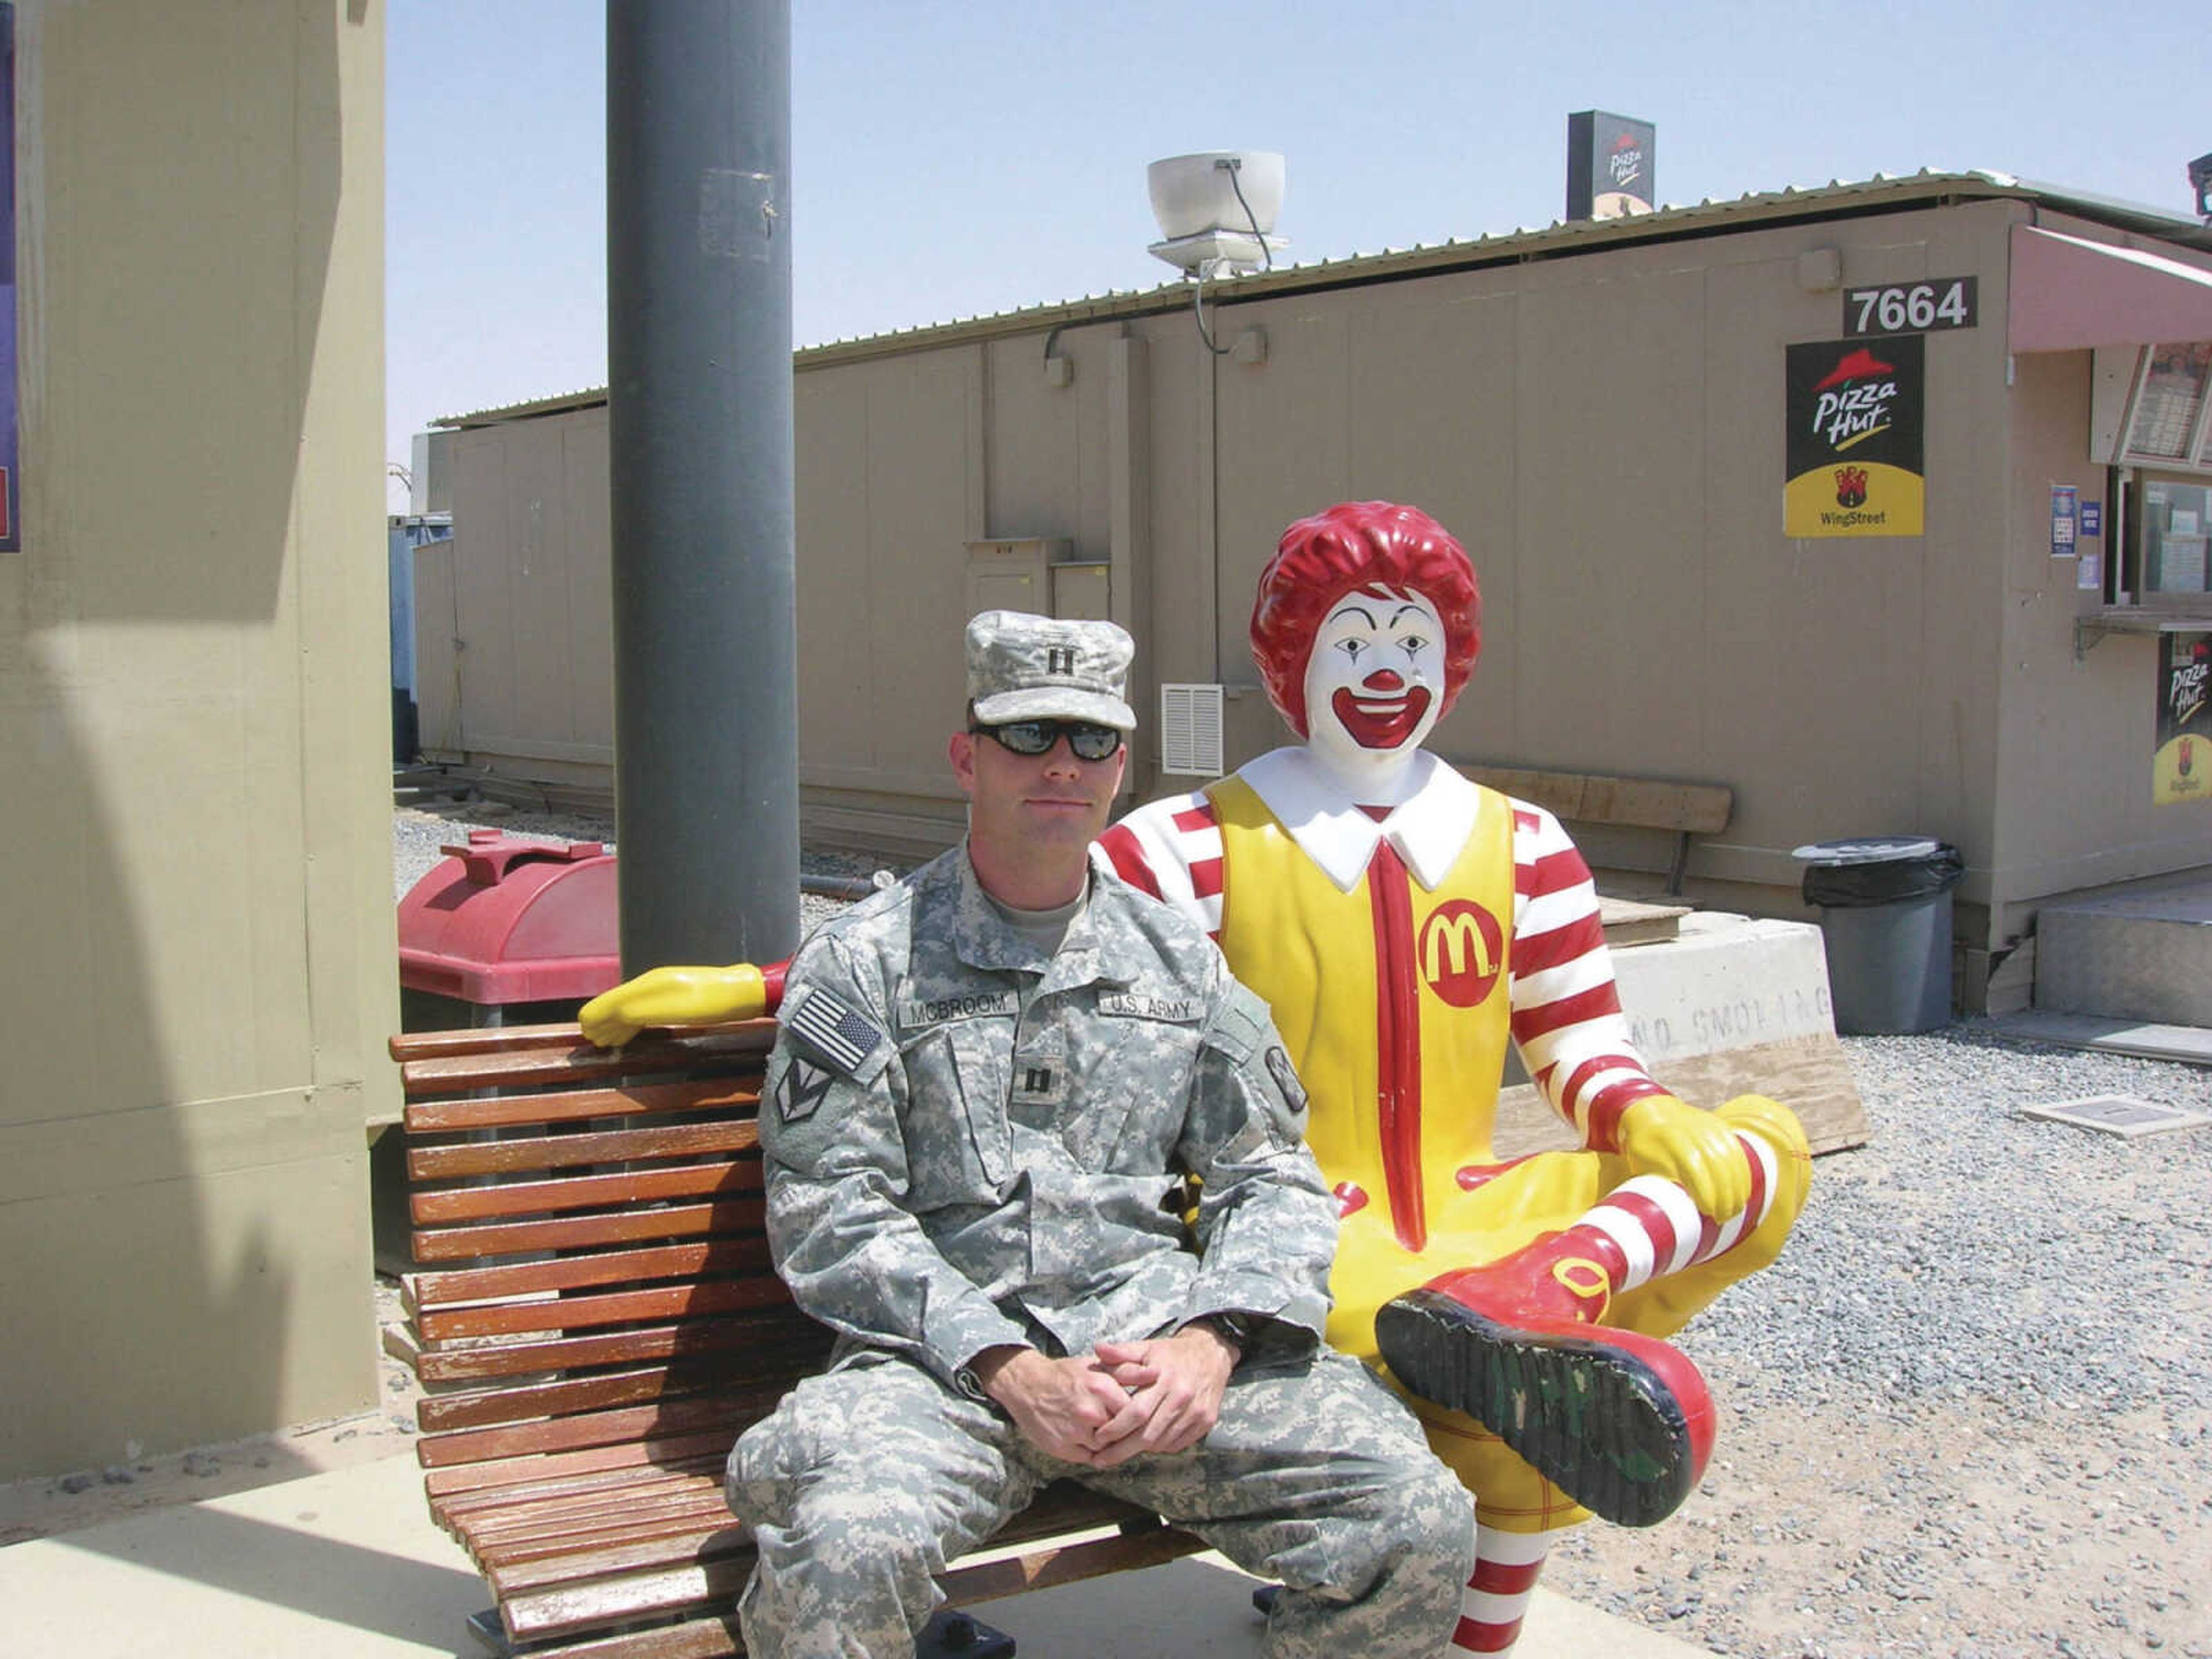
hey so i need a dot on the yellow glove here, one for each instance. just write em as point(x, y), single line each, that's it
point(1698, 1152)
point(674, 996)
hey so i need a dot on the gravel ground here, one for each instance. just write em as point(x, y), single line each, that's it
point(1969, 1414)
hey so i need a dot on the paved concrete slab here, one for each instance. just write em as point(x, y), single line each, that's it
point(2190, 1044)
point(345, 1564)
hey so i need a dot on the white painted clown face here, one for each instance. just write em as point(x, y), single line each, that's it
point(1375, 681)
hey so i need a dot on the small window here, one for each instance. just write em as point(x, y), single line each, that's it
point(2169, 521)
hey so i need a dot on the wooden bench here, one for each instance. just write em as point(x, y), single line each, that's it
point(595, 1320)
point(1684, 809)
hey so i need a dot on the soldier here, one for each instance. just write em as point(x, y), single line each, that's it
point(989, 1079)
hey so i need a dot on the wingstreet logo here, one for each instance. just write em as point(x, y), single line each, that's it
point(1855, 401)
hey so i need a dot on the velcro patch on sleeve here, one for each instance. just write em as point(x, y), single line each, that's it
point(837, 1030)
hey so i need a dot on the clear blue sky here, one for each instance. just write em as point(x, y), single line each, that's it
point(957, 158)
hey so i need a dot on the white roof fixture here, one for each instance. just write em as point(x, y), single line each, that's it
point(1216, 216)
point(1217, 211)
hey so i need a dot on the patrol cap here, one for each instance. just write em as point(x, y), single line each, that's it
point(1022, 667)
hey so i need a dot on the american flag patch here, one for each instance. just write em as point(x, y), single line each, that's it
point(842, 1034)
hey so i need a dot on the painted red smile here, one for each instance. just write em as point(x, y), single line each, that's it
point(1380, 720)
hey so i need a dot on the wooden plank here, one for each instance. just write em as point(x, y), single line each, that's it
point(438, 1414)
point(567, 1106)
point(1809, 1074)
point(611, 1552)
point(706, 1586)
point(712, 1636)
point(1600, 798)
point(515, 1153)
point(580, 1313)
point(1068, 1563)
point(680, 1417)
point(730, 1050)
point(784, 1328)
point(518, 1198)
point(408, 1046)
point(1638, 921)
point(747, 1254)
point(584, 1231)
point(483, 1512)
point(704, 1454)
point(459, 1476)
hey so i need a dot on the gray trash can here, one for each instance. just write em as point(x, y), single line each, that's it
point(1885, 921)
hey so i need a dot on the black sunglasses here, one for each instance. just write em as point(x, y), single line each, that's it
point(1088, 740)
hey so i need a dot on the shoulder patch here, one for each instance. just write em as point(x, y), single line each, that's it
point(1287, 1078)
point(798, 1092)
point(841, 1033)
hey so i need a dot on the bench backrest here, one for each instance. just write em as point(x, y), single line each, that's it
point(1698, 809)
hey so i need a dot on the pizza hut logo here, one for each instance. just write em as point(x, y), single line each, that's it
point(1855, 400)
point(1850, 486)
point(1626, 159)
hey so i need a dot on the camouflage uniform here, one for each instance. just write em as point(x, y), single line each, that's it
point(970, 1144)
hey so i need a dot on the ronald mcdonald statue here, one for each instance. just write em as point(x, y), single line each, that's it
point(1405, 925)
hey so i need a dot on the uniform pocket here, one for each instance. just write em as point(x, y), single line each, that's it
point(959, 1147)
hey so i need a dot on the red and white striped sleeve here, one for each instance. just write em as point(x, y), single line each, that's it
point(1567, 1008)
point(1171, 849)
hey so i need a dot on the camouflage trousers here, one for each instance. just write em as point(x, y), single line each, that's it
point(866, 1482)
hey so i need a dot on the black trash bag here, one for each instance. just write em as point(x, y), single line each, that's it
point(1866, 882)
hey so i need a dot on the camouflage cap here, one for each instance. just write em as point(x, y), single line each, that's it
point(1022, 667)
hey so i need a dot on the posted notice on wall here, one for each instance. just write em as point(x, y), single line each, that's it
point(2181, 769)
point(1854, 464)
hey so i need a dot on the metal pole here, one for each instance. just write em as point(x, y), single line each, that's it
point(699, 448)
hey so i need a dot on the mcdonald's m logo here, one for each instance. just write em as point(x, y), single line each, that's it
point(1461, 950)
point(1060, 660)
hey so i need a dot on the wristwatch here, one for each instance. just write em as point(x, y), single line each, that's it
point(1234, 1329)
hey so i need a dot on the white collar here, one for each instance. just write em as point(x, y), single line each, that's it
point(1426, 830)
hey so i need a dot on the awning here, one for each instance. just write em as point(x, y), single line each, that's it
point(2068, 294)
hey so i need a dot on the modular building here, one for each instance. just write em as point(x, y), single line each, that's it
point(1883, 504)
point(197, 971)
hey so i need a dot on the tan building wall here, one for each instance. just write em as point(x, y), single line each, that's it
point(194, 726)
point(1604, 428)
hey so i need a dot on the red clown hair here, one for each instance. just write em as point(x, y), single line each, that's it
point(1352, 546)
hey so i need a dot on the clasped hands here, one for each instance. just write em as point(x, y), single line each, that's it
point(1119, 1401)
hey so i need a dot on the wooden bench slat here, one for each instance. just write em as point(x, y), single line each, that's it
point(509, 1156)
point(547, 1516)
point(785, 1328)
point(736, 1253)
point(740, 1175)
point(442, 1414)
point(568, 1058)
point(1068, 1564)
point(727, 1412)
point(492, 1238)
point(706, 1585)
point(613, 1549)
point(712, 1636)
point(572, 1313)
point(567, 1105)
point(452, 1480)
point(562, 1034)
point(511, 1511)
point(1640, 803)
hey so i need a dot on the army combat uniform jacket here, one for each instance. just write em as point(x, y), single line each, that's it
point(971, 1144)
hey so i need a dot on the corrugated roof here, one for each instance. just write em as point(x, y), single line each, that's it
point(1884, 192)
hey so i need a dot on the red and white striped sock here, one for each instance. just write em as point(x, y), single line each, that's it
point(1655, 1231)
point(1506, 1565)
